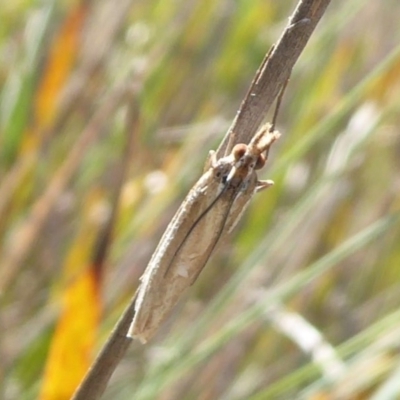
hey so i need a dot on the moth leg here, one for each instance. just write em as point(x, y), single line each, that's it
point(261, 185)
point(211, 161)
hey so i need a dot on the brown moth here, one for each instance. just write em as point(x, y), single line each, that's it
point(211, 210)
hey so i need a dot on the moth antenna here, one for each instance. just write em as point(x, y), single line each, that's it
point(278, 105)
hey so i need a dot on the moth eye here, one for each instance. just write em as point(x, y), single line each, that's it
point(220, 174)
point(260, 161)
point(239, 151)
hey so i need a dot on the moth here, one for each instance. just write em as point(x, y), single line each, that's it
point(210, 211)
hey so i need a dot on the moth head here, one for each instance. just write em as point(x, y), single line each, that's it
point(238, 151)
point(244, 162)
point(244, 156)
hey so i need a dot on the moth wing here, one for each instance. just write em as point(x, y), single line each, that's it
point(160, 291)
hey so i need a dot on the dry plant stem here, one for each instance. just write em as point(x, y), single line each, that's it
point(96, 379)
point(270, 77)
point(95, 382)
point(115, 347)
point(273, 73)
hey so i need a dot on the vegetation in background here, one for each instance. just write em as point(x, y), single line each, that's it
point(301, 301)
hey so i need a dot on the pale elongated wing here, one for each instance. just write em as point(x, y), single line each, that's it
point(185, 248)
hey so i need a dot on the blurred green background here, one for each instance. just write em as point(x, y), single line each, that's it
point(301, 301)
